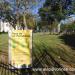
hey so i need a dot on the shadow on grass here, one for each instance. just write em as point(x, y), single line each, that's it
point(3, 32)
point(26, 71)
point(69, 40)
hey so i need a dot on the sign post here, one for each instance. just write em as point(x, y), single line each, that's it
point(20, 48)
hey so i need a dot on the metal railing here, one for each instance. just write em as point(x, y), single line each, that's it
point(41, 61)
point(5, 70)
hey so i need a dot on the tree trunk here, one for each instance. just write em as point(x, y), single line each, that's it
point(24, 19)
point(58, 28)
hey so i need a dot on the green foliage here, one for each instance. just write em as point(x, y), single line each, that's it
point(30, 21)
point(6, 12)
point(26, 5)
point(55, 10)
point(4, 8)
point(52, 13)
point(71, 26)
point(51, 10)
point(68, 27)
point(17, 18)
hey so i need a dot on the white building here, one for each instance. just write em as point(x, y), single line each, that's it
point(5, 26)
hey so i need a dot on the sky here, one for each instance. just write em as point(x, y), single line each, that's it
point(35, 10)
point(70, 19)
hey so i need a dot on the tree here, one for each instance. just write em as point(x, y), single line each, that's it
point(30, 20)
point(4, 8)
point(21, 8)
point(53, 11)
point(6, 12)
point(26, 6)
point(68, 28)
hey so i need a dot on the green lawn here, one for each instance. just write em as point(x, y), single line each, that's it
point(55, 46)
point(4, 42)
point(60, 52)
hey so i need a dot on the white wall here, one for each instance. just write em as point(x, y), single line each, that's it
point(5, 26)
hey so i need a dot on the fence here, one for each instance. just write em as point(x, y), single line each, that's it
point(5, 70)
point(42, 61)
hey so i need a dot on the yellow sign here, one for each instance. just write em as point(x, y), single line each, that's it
point(20, 45)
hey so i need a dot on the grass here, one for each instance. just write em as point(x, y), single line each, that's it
point(56, 47)
point(52, 44)
point(3, 42)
